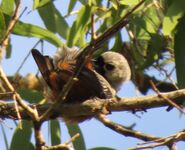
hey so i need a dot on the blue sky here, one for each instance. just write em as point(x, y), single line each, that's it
point(157, 122)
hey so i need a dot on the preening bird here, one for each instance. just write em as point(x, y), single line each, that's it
point(96, 80)
point(114, 68)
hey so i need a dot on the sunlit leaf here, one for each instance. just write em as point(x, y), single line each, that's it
point(40, 3)
point(21, 137)
point(138, 26)
point(129, 2)
point(7, 6)
point(80, 26)
point(114, 4)
point(179, 48)
point(30, 30)
point(174, 12)
point(55, 132)
point(2, 25)
point(54, 21)
point(79, 143)
point(71, 6)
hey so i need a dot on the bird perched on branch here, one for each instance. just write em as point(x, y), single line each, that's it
point(98, 79)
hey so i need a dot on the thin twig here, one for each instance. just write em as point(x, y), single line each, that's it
point(124, 130)
point(167, 141)
point(72, 139)
point(7, 93)
point(4, 41)
point(24, 60)
point(93, 30)
point(17, 97)
point(166, 98)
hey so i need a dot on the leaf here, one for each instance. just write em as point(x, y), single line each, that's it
point(179, 48)
point(40, 3)
point(138, 25)
point(129, 2)
point(174, 12)
point(30, 30)
point(102, 148)
point(9, 49)
point(54, 21)
point(80, 26)
point(154, 50)
point(71, 6)
point(2, 25)
point(32, 96)
point(84, 2)
point(118, 42)
point(79, 143)
point(5, 137)
point(26, 29)
point(21, 138)
point(55, 132)
point(7, 6)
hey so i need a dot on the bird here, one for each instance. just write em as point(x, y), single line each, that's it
point(94, 80)
point(114, 67)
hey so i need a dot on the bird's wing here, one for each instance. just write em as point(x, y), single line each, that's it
point(45, 65)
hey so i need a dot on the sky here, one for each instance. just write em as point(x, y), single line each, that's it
point(156, 122)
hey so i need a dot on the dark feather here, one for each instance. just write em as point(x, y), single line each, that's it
point(45, 65)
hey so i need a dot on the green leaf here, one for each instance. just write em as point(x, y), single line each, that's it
point(179, 48)
point(174, 12)
point(4, 137)
point(79, 143)
point(71, 6)
point(118, 42)
point(129, 2)
point(80, 26)
point(102, 148)
point(7, 6)
point(9, 49)
point(30, 30)
point(32, 96)
point(53, 20)
point(138, 25)
point(26, 29)
point(21, 138)
point(154, 50)
point(2, 25)
point(55, 132)
point(84, 2)
point(40, 3)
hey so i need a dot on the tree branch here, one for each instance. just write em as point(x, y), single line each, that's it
point(93, 107)
point(124, 130)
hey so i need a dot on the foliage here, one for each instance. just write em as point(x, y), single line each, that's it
point(153, 39)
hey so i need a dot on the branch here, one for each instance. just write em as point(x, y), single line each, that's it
point(17, 98)
point(124, 130)
point(167, 141)
point(4, 41)
point(93, 107)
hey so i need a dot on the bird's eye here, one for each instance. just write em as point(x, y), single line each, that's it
point(109, 67)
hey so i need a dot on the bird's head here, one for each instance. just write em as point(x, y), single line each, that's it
point(114, 67)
